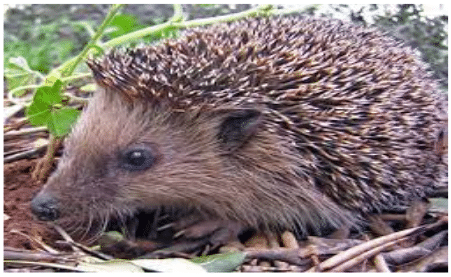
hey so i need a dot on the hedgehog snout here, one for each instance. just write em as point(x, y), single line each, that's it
point(45, 206)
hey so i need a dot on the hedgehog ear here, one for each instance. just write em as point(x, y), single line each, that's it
point(237, 127)
point(441, 142)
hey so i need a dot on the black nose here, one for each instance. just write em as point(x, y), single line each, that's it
point(45, 207)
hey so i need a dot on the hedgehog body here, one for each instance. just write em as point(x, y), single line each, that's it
point(281, 122)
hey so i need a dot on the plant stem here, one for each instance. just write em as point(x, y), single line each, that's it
point(188, 24)
point(27, 131)
point(22, 101)
point(68, 68)
point(262, 9)
point(178, 13)
point(137, 34)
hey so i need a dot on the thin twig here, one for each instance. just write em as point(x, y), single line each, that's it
point(357, 250)
point(77, 100)
point(25, 155)
point(16, 125)
point(44, 165)
point(292, 256)
point(360, 258)
point(380, 264)
point(15, 151)
point(27, 131)
point(21, 255)
point(51, 265)
point(37, 241)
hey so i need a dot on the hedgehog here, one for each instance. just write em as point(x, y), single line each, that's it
point(281, 123)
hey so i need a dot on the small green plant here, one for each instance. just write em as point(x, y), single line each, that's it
point(48, 109)
point(19, 74)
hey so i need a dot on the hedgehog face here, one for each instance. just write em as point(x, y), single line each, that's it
point(122, 157)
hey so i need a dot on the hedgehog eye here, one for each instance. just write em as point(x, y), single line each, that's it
point(136, 159)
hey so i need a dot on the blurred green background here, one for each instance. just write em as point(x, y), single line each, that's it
point(47, 35)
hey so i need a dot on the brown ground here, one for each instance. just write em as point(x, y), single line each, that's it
point(18, 191)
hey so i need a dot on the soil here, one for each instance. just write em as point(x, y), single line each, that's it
point(19, 189)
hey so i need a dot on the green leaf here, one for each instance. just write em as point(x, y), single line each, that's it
point(47, 109)
point(38, 116)
point(110, 266)
point(110, 238)
point(51, 94)
point(61, 120)
point(52, 78)
point(40, 109)
point(20, 62)
point(18, 73)
point(124, 23)
point(169, 265)
point(226, 262)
